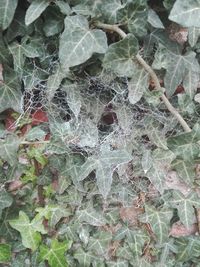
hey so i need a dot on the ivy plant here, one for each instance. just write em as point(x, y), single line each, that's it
point(99, 133)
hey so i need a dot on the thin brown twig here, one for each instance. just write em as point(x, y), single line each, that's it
point(144, 64)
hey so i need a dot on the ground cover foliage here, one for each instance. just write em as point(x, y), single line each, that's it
point(99, 154)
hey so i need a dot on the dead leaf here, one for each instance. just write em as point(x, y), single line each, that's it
point(178, 230)
point(130, 214)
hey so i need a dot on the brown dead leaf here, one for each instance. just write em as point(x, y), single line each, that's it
point(173, 181)
point(130, 214)
point(178, 229)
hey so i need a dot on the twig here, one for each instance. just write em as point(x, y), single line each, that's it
point(34, 142)
point(144, 64)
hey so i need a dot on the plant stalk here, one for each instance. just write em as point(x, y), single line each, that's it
point(145, 65)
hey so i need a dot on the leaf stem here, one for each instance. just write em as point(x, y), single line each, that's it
point(144, 64)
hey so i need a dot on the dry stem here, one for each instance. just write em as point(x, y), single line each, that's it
point(144, 64)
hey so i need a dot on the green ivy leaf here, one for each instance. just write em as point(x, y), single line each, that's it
point(186, 13)
point(5, 253)
point(193, 35)
point(185, 169)
point(5, 200)
point(109, 9)
point(10, 93)
point(55, 255)
point(159, 221)
point(185, 145)
point(78, 43)
point(188, 248)
point(118, 263)
point(64, 7)
point(185, 206)
point(99, 243)
point(134, 15)
point(8, 149)
point(53, 22)
point(138, 84)
point(84, 258)
point(35, 10)
point(154, 19)
point(177, 66)
point(119, 56)
point(161, 164)
point(90, 216)
point(104, 164)
point(7, 11)
point(29, 231)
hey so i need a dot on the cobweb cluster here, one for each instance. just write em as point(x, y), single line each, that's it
point(97, 109)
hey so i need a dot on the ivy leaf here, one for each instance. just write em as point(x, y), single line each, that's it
point(185, 145)
point(161, 163)
point(193, 35)
point(185, 169)
point(118, 263)
point(78, 43)
point(7, 11)
point(177, 66)
point(10, 92)
point(8, 149)
point(31, 237)
point(159, 221)
point(119, 56)
point(55, 255)
point(188, 248)
point(104, 164)
point(134, 15)
point(5, 253)
point(99, 243)
point(35, 10)
point(84, 258)
point(186, 13)
point(138, 84)
point(64, 7)
point(190, 82)
point(5, 200)
point(109, 10)
point(185, 206)
point(154, 19)
point(91, 217)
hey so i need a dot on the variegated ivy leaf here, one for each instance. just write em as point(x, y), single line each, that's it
point(10, 92)
point(119, 56)
point(188, 248)
point(185, 169)
point(7, 11)
point(30, 231)
point(186, 13)
point(185, 206)
point(134, 15)
point(90, 216)
point(5, 200)
point(185, 146)
point(178, 68)
point(193, 35)
point(8, 149)
point(55, 255)
point(35, 10)
point(159, 221)
point(78, 43)
point(104, 164)
point(138, 84)
point(99, 243)
point(161, 164)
